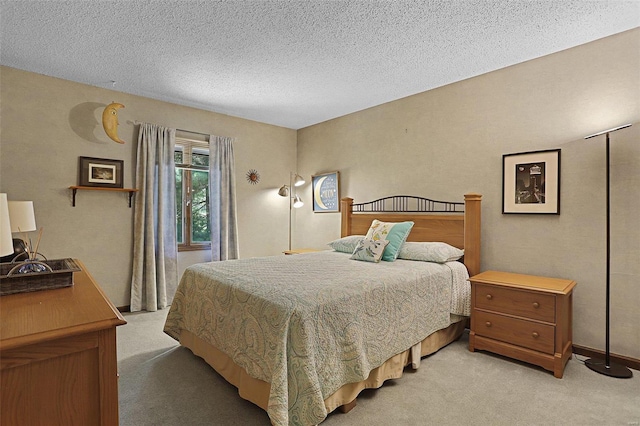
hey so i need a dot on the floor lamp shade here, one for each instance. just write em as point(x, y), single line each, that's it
point(297, 179)
point(605, 366)
point(6, 242)
point(297, 202)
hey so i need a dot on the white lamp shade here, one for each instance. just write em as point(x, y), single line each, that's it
point(6, 242)
point(21, 216)
point(298, 180)
point(297, 202)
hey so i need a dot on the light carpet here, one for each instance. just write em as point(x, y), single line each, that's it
point(162, 383)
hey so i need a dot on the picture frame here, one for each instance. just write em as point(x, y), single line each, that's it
point(326, 192)
point(100, 172)
point(531, 182)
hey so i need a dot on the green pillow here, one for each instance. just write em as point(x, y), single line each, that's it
point(394, 232)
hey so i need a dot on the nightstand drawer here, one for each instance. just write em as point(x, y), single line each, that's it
point(528, 334)
point(534, 305)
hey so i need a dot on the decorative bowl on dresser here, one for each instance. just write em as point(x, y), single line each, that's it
point(525, 317)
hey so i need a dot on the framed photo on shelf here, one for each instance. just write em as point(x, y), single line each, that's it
point(326, 192)
point(531, 182)
point(100, 172)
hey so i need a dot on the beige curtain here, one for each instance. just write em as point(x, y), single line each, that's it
point(222, 188)
point(155, 253)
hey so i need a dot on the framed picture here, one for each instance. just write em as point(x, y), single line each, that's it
point(326, 192)
point(100, 172)
point(531, 182)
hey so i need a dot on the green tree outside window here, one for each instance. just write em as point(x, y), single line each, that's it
point(192, 196)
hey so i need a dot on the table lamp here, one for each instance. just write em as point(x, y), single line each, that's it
point(23, 220)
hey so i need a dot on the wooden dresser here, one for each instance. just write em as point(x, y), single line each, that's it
point(58, 361)
point(523, 317)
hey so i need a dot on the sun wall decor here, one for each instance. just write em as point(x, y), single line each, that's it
point(253, 177)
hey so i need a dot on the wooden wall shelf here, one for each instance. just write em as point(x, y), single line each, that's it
point(75, 189)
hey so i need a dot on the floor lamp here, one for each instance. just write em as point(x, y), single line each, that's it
point(294, 200)
point(606, 367)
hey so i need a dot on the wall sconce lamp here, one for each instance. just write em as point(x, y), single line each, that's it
point(294, 200)
point(606, 367)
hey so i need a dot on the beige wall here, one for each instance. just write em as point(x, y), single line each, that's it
point(450, 141)
point(441, 144)
point(47, 123)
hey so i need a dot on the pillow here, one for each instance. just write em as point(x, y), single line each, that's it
point(430, 252)
point(394, 232)
point(369, 250)
point(346, 244)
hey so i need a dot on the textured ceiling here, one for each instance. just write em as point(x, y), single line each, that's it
point(292, 63)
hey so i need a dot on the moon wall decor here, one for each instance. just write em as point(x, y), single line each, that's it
point(326, 192)
point(110, 121)
point(317, 198)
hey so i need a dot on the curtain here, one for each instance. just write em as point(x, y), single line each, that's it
point(155, 252)
point(222, 187)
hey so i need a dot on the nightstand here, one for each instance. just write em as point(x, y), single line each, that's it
point(300, 251)
point(523, 317)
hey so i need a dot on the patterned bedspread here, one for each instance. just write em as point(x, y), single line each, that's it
point(310, 323)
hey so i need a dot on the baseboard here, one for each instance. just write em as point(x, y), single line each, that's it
point(633, 363)
point(124, 308)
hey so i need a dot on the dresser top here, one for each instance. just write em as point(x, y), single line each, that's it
point(533, 282)
point(32, 317)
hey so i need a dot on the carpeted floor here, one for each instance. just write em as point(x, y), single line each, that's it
point(162, 383)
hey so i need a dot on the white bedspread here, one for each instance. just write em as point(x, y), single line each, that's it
point(310, 323)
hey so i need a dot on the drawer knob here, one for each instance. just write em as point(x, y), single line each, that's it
point(488, 323)
point(536, 305)
point(535, 334)
point(489, 297)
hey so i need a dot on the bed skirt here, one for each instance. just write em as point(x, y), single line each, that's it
point(257, 391)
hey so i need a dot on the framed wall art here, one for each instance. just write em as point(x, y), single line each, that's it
point(326, 192)
point(100, 172)
point(531, 182)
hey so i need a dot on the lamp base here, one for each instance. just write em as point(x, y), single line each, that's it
point(611, 370)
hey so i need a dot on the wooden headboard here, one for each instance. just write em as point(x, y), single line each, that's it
point(454, 223)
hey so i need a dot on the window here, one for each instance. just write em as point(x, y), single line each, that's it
point(192, 194)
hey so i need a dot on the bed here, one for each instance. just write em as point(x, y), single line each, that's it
point(302, 335)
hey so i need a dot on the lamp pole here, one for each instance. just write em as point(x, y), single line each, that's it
point(294, 201)
point(608, 368)
point(290, 203)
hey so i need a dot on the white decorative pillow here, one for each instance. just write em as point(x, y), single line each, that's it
point(429, 252)
point(369, 250)
point(394, 232)
point(346, 244)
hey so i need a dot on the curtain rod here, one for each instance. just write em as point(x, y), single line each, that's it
point(191, 131)
point(179, 130)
